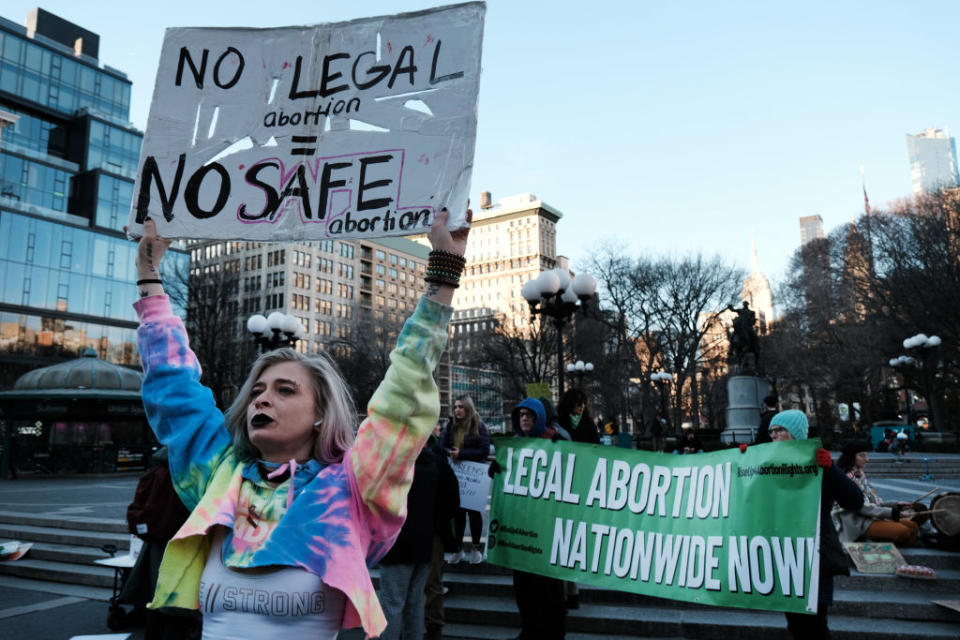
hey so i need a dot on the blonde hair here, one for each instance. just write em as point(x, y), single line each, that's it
point(331, 396)
point(471, 421)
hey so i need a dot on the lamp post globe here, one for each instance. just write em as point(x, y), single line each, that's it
point(275, 331)
point(554, 295)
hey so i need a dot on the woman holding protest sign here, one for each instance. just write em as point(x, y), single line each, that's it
point(792, 425)
point(875, 520)
point(288, 506)
point(467, 439)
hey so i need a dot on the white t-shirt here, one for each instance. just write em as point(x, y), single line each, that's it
point(266, 602)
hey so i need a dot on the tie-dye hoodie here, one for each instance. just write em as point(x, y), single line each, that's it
point(343, 516)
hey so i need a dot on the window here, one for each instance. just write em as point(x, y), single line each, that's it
point(381, 255)
point(393, 259)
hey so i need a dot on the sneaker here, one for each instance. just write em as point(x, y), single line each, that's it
point(453, 558)
point(476, 557)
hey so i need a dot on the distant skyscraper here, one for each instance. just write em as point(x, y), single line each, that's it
point(756, 291)
point(811, 228)
point(933, 160)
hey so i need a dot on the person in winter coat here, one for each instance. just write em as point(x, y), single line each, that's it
point(576, 419)
point(404, 570)
point(467, 439)
point(287, 497)
point(540, 600)
point(444, 538)
point(769, 410)
point(837, 487)
point(553, 419)
point(876, 520)
point(154, 516)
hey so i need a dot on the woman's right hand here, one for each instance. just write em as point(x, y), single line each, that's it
point(150, 251)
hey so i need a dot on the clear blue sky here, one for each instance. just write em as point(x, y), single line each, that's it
point(674, 127)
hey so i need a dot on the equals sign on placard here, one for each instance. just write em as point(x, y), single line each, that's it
point(303, 151)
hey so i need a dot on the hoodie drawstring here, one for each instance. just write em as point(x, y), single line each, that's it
point(279, 471)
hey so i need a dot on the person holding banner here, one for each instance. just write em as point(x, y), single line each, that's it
point(288, 506)
point(876, 520)
point(467, 439)
point(792, 425)
point(576, 419)
point(540, 600)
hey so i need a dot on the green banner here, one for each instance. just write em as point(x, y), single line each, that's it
point(724, 528)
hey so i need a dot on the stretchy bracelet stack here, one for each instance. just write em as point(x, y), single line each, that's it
point(445, 268)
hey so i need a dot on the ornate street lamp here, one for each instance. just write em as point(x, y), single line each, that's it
point(580, 368)
point(924, 346)
point(275, 331)
point(552, 294)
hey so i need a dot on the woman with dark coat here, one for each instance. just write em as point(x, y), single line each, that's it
point(575, 417)
point(467, 438)
point(837, 487)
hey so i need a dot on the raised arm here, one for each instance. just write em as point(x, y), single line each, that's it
point(404, 409)
point(180, 410)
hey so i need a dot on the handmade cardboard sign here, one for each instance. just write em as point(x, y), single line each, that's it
point(875, 557)
point(474, 484)
point(354, 129)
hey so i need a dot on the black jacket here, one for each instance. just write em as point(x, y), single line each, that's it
point(475, 448)
point(433, 499)
point(837, 487)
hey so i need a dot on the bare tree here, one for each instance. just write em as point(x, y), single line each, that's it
point(362, 352)
point(660, 309)
point(210, 297)
point(521, 355)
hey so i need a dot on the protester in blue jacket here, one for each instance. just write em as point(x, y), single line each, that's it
point(540, 599)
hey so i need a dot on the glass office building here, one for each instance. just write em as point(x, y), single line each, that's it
point(67, 168)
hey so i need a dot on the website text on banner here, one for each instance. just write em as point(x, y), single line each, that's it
point(724, 528)
point(355, 129)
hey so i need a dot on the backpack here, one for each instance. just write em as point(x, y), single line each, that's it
point(156, 512)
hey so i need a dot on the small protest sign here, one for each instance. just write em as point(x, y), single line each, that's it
point(354, 129)
point(875, 557)
point(474, 485)
point(724, 528)
point(538, 390)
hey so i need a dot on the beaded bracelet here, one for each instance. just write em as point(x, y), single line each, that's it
point(445, 267)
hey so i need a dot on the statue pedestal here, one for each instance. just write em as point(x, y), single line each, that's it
point(745, 396)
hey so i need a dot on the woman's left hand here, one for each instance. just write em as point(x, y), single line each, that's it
point(445, 240)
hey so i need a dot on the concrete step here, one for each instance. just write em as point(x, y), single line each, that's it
point(108, 525)
point(899, 605)
point(101, 594)
point(65, 553)
point(78, 574)
point(911, 601)
point(475, 632)
point(32, 533)
point(930, 557)
point(636, 621)
point(948, 581)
